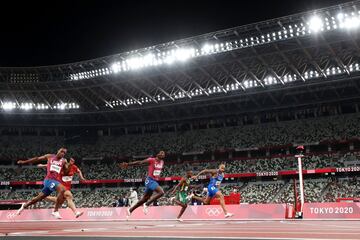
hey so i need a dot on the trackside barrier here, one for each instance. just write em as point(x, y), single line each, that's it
point(290, 211)
point(233, 198)
point(209, 212)
point(312, 211)
point(333, 210)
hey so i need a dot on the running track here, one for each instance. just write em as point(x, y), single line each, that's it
point(183, 230)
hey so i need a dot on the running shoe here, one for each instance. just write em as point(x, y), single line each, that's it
point(128, 213)
point(78, 214)
point(56, 215)
point(20, 209)
point(145, 209)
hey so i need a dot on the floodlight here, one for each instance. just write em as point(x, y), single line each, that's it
point(351, 22)
point(115, 67)
point(315, 24)
point(26, 106)
point(184, 54)
point(340, 16)
point(8, 106)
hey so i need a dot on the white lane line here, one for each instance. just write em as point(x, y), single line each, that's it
point(192, 237)
point(28, 233)
point(325, 225)
point(250, 232)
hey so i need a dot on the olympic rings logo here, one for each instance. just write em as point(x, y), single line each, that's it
point(11, 215)
point(212, 212)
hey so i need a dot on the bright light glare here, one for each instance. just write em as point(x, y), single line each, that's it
point(26, 106)
point(340, 16)
point(8, 106)
point(175, 53)
point(207, 48)
point(351, 22)
point(184, 54)
point(315, 24)
point(115, 68)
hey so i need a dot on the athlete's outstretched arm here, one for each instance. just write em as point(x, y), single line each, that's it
point(135, 163)
point(81, 175)
point(34, 160)
point(205, 171)
point(177, 186)
point(41, 165)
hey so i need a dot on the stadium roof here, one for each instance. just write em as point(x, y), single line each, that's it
point(289, 61)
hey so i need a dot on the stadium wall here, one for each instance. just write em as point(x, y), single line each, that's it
point(312, 211)
point(209, 212)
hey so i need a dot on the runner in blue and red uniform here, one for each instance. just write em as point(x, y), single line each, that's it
point(66, 178)
point(151, 185)
point(217, 176)
point(52, 182)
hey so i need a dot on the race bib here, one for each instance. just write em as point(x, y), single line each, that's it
point(55, 168)
point(67, 178)
point(157, 172)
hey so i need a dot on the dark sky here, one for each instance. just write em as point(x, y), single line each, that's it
point(54, 32)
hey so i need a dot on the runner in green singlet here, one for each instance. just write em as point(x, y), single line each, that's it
point(182, 188)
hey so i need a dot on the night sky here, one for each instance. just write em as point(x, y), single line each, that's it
point(54, 32)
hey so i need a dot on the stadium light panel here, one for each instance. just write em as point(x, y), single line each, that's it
point(26, 106)
point(315, 24)
point(184, 54)
point(351, 22)
point(8, 106)
point(340, 16)
point(312, 25)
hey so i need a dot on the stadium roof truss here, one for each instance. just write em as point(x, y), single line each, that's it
point(314, 56)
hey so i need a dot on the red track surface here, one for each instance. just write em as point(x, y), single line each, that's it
point(208, 229)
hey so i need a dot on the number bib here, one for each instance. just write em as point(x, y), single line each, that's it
point(156, 172)
point(55, 168)
point(67, 178)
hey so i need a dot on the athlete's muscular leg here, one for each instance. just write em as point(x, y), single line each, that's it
point(183, 207)
point(205, 201)
point(69, 198)
point(220, 196)
point(60, 197)
point(143, 200)
point(36, 199)
point(198, 198)
point(51, 199)
point(159, 193)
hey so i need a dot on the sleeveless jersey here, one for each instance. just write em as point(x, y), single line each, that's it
point(216, 181)
point(54, 167)
point(68, 176)
point(185, 185)
point(155, 167)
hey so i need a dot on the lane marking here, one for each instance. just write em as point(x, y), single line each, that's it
point(325, 225)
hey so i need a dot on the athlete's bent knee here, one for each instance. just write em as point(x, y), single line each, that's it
point(68, 195)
